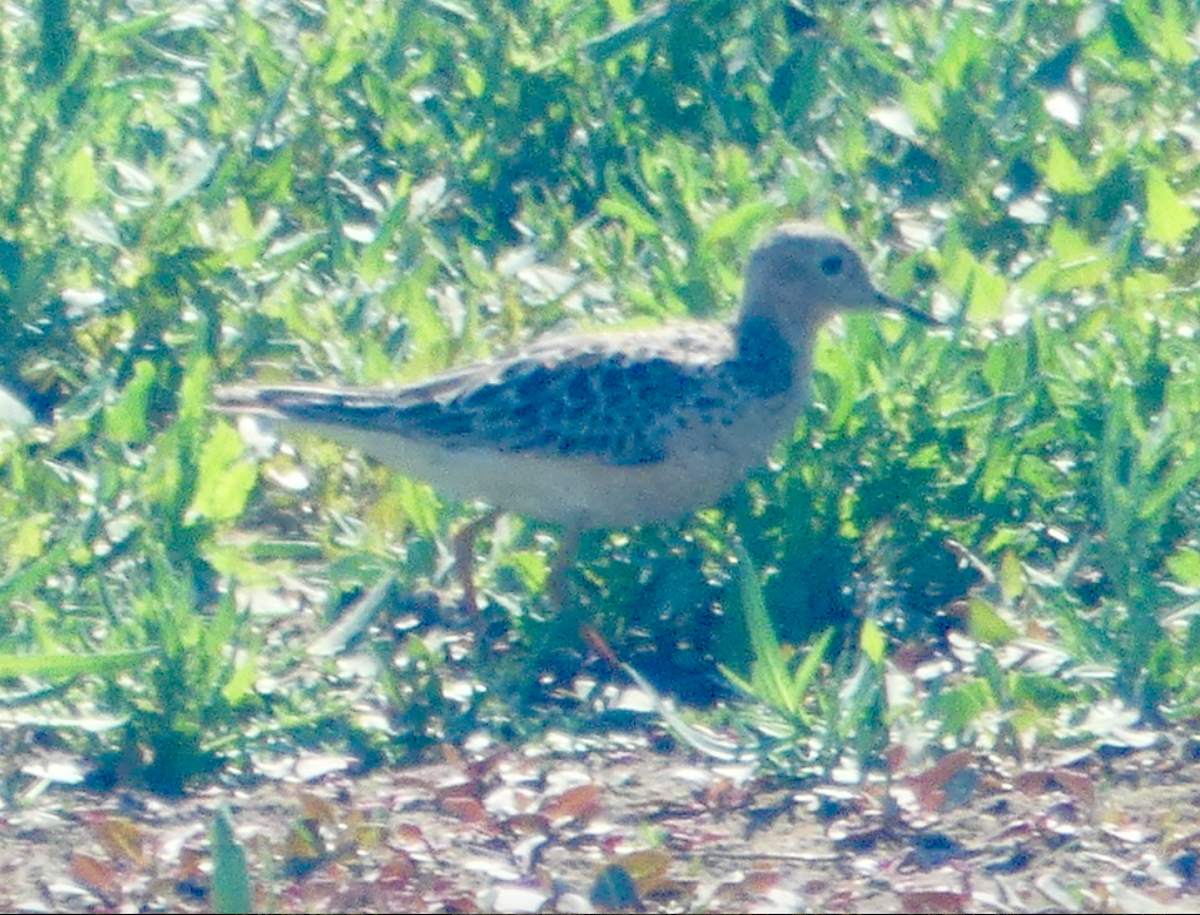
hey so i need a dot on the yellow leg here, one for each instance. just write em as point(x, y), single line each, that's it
point(464, 557)
point(563, 560)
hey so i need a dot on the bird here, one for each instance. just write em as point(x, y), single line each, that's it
point(612, 429)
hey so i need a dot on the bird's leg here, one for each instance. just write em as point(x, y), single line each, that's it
point(464, 557)
point(563, 559)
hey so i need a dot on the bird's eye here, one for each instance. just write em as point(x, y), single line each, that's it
point(831, 266)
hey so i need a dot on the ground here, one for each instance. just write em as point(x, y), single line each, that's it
point(623, 823)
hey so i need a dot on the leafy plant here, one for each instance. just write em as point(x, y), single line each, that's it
point(375, 191)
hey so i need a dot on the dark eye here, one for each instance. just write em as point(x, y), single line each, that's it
point(831, 266)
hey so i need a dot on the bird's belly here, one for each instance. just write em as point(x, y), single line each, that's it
point(577, 492)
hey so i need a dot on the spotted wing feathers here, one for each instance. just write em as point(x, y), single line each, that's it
point(615, 399)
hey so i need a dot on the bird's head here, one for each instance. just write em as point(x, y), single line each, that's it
point(802, 273)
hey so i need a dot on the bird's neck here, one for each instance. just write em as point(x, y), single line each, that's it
point(770, 363)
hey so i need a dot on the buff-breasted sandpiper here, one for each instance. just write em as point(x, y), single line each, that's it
point(606, 430)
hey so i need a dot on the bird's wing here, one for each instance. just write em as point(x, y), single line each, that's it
point(610, 398)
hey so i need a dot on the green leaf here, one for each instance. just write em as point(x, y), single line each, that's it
point(962, 47)
point(769, 673)
point(28, 539)
point(1076, 262)
point(1043, 693)
point(127, 420)
point(872, 641)
point(960, 707)
point(1184, 565)
point(623, 207)
point(986, 625)
point(231, 891)
point(771, 680)
point(81, 182)
point(1183, 475)
point(1012, 577)
point(1062, 172)
point(225, 477)
point(420, 504)
point(474, 80)
point(735, 224)
point(71, 665)
point(1168, 219)
point(194, 394)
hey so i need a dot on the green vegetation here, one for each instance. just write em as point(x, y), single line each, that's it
point(373, 191)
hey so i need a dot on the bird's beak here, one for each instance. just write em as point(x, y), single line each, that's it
point(890, 304)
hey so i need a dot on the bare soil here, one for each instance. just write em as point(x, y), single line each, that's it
point(619, 824)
